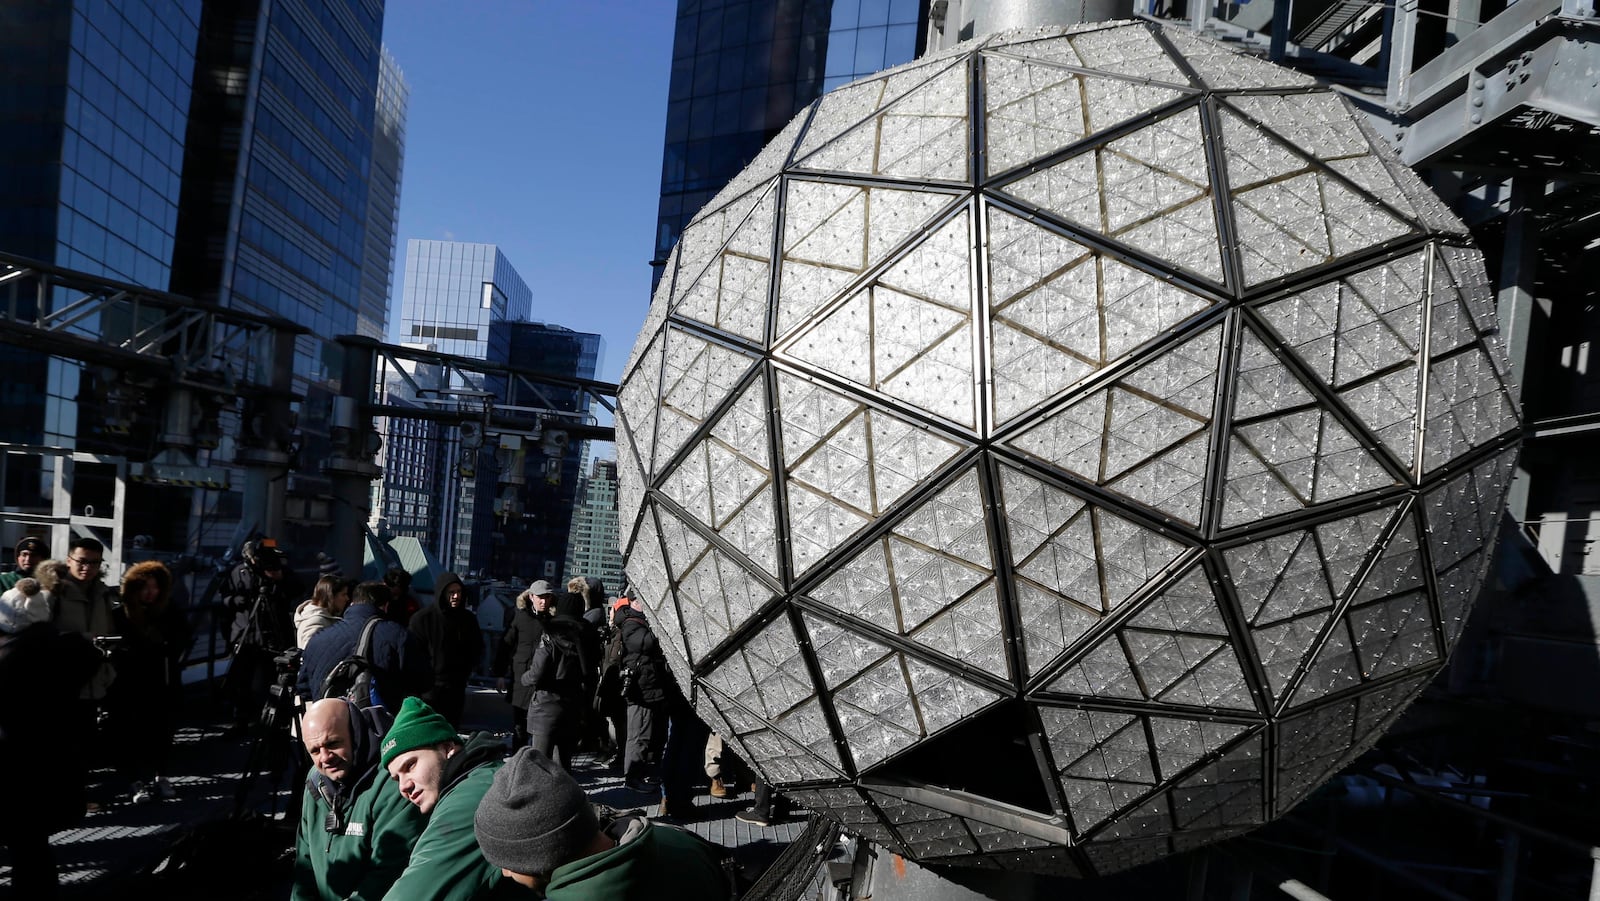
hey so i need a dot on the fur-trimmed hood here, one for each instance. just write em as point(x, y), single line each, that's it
point(50, 573)
point(22, 606)
point(139, 573)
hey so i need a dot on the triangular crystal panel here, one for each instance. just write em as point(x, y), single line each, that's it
point(942, 698)
point(1104, 672)
point(922, 135)
point(1030, 111)
point(1060, 312)
point(1187, 605)
point(684, 544)
point(1130, 51)
point(1181, 744)
point(842, 109)
point(1222, 68)
point(697, 376)
point(1468, 405)
point(1334, 668)
point(876, 713)
point(969, 631)
point(1305, 220)
point(1394, 634)
point(1226, 792)
point(1156, 416)
point(732, 293)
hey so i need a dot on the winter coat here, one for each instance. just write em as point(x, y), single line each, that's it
point(43, 669)
point(521, 639)
point(559, 674)
point(446, 864)
point(399, 657)
point(274, 629)
point(641, 653)
point(651, 862)
point(85, 607)
point(155, 638)
point(309, 619)
point(375, 827)
point(455, 643)
point(89, 609)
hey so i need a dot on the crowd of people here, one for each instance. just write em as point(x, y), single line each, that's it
point(397, 802)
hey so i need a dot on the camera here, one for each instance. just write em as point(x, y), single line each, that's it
point(108, 644)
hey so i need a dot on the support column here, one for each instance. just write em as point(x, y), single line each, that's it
point(264, 451)
point(355, 443)
point(1519, 261)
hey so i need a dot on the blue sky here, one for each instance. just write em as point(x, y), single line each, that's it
point(537, 125)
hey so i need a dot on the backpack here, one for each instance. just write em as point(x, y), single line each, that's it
point(355, 677)
point(566, 666)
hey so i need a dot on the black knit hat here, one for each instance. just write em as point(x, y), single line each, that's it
point(534, 817)
point(35, 544)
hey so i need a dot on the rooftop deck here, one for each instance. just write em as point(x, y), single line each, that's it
point(106, 855)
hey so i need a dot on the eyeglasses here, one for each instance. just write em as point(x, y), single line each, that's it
point(87, 563)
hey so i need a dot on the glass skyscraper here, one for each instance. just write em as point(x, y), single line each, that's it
point(455, 299)
point(234, 152)
point(453, 291)
point(741, 69)
point(94, 117)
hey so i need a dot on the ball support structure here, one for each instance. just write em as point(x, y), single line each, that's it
point(1064, 450)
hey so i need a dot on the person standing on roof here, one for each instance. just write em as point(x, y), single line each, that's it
point(356, 831)
point(445, 778)
point(455, 644)
point(534, 609)
point(29, 552)
point(399, 658)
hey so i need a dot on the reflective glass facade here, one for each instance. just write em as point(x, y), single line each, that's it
point(278, 182)
point(452, 299)
point(94, 116)
point(741, 69)
point(383, 198)
point(236, 152)
point(453, 291)
point(867, 36)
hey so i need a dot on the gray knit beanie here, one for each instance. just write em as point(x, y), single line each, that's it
point(535, 817)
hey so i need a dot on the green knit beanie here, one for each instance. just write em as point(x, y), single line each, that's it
point(417, 726)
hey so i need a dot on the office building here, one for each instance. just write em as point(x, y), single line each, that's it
point(95, 115)
point(742, 69)
point(592, 549)
point(453, 295)
point(224, 151)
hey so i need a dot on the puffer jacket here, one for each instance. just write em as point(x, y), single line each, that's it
point(400, 658)
point(309, 619)
point(155, 636)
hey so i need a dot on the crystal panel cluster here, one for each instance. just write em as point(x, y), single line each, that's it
point(1065, 450)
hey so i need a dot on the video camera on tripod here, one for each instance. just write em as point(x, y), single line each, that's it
point(282, 706)
point(262, 558)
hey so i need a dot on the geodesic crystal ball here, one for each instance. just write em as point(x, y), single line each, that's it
point(1066, 450)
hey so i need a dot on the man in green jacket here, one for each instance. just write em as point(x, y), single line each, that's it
point(536, 825)
point(445, 779)
point(356, 831)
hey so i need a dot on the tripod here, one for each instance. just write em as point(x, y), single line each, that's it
point(271, 752)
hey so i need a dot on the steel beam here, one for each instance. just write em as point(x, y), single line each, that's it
point(1544, 74)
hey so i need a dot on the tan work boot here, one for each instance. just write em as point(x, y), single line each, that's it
point(718, 790)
